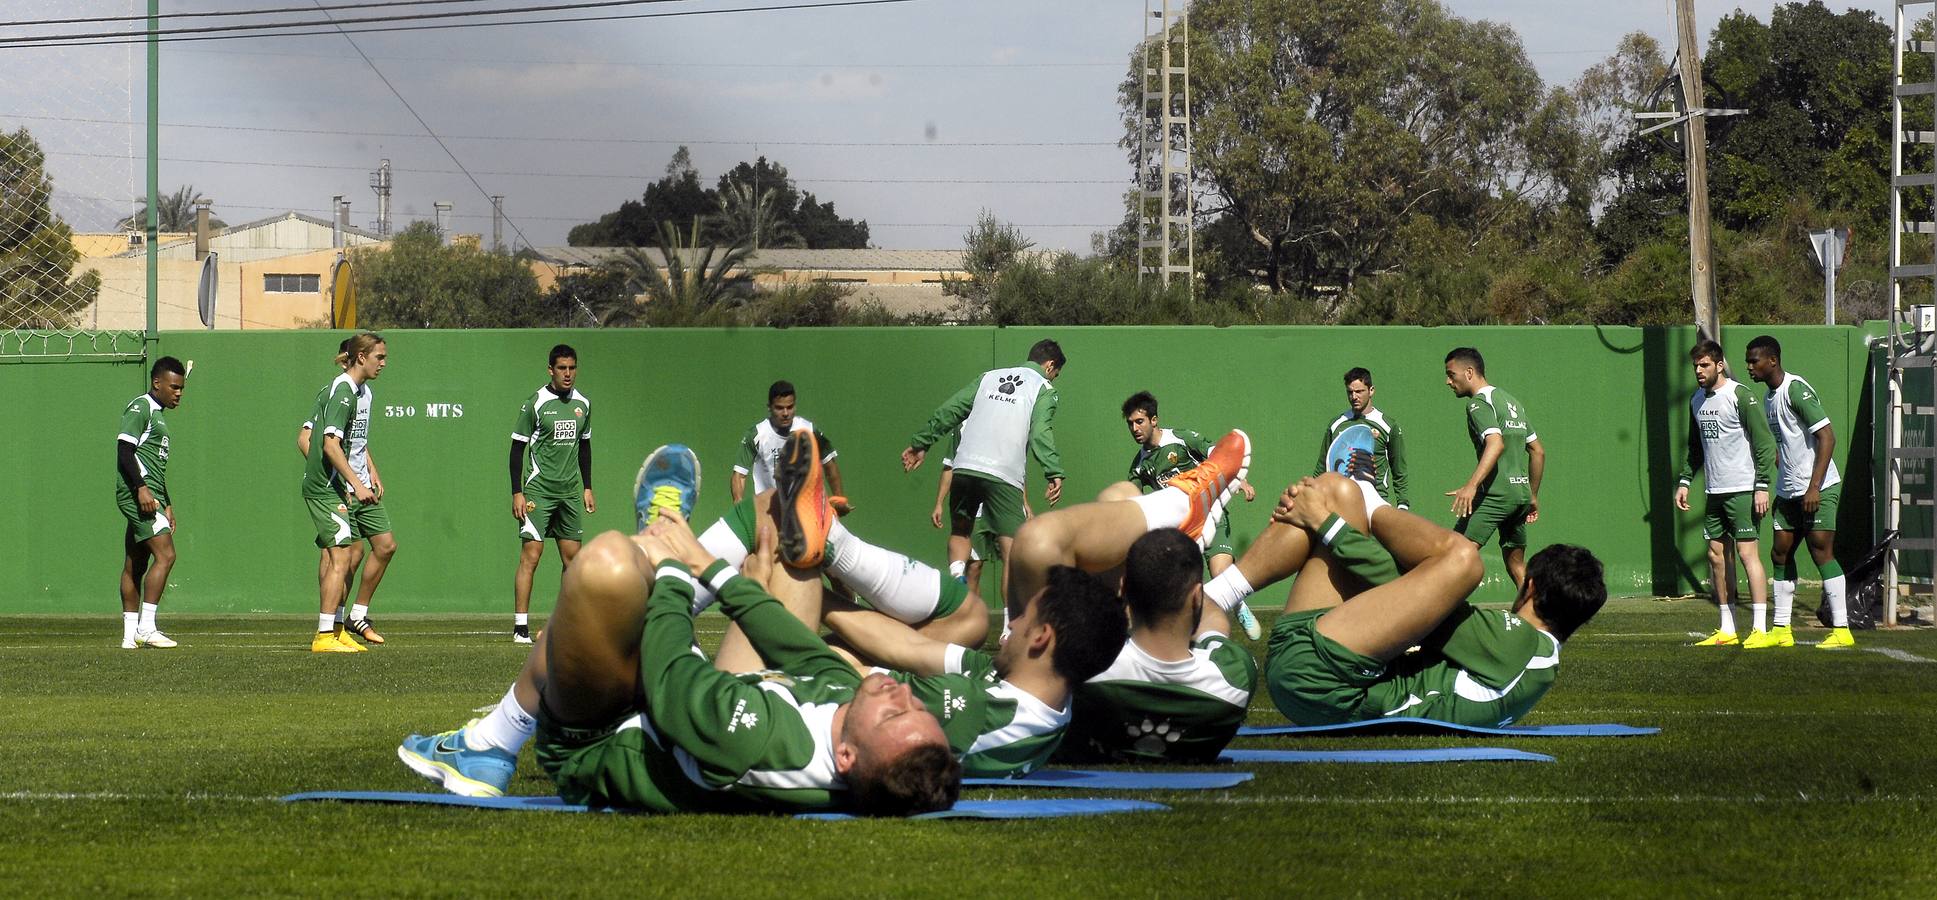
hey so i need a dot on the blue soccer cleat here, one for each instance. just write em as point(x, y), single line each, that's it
point(668, 479)
point(449, 760)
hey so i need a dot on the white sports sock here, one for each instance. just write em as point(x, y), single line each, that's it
point(506, 728)
point(1372, 499)
point(1005, 623)
point(1228, 589)
point(1785, 597)
point(1760, 612)
point(1167, 508)
point(905, 589)
point(1839, 603)
point(147, 622)
point(958, 569)
point(359, 611)
point(1728, 618)
point(522, 620)
point(325, 622)
point(720, 541)
point(130, 622)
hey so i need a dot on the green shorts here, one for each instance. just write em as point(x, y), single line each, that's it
point(557, 518)
point(1790, 516)
point(1732, 515)
point(140, 527)
point(367, 520)
point(1221, 542)
point(617, 767)
point(982, 540)
point(1496, 514)
point(1313, 679)
point(999, 501)
point(331, 516)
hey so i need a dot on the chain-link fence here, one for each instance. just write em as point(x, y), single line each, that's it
point(72, 156)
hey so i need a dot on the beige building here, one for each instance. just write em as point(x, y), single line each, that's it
point(902, 281)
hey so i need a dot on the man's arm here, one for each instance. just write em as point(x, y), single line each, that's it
point(1762, 444)
point(774, 631)
point(1693, 458)
point(693, 704)
point(1464, 497)
point(743, 462)
point(884, 641)
point(1809, 410)
point(376, 477)
point(517, 476)
point(1536, 468)
point(1042, 436)
point(941, 492)
point(585, 471)
point(1395, 457)
point(946, 418)
point(333, 453)
point(302, 440)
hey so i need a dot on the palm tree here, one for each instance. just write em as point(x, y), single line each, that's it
point(693, 279)
point(177, 212)
point(749, 213)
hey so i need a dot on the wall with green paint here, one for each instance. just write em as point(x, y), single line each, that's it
point(1609, 403)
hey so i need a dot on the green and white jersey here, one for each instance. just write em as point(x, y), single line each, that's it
point(1493, 411)
point(550, 426)
point(1795, 415)
point(1729, 437)
point(1177, 450)
point(1388, 451)
point(144, 425)
point(760, 450)
point(345, 412)
point(1482, 667)
point(1002, 415)
point(997, 729)
point(1145, 709)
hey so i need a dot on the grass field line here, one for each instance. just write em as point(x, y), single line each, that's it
point(1899, 655)
point(41, 796)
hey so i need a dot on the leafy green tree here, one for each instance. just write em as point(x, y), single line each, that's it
point(757, 199)
point(697, 280)
point(418, 282)
point(177, 212)
point(37, 252)
point(747, 213)
point(677, 196)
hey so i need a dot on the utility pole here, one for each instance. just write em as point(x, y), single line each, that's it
point(1701, 269)
point(497, 223)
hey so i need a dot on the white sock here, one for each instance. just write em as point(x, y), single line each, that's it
point(958, 569)
point(1785, 596)
point(1760, 611)
point(147, 622)
point(359, 611)
point(1167, 508)
point(1372, 499)
point(1839, 604)
point(130, 623)
point(507, 727)
point(720, 541)
point(905, 589)
point(1005, 623)
point(1728, 618)
point(1228, 589)
point(522, 620)
point(325, 622)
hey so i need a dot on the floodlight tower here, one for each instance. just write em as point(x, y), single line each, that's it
point(1166, 245)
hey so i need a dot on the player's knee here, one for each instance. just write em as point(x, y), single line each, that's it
point(1717, 554)
point(1465, 555)
point(164, 555)
point(1038, 543)
point(1122, 490)
point(607, 562)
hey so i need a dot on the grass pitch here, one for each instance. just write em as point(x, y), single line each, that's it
point(1778, 772)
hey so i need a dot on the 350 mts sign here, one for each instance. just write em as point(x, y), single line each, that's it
point(430, 411)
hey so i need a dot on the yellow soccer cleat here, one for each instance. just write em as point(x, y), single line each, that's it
point(326, 642)
point(1839, 639)
point(1779, 636)
point(1719, 639)
point(343, 637)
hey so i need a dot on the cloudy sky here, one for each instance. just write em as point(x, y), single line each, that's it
point(913, 115)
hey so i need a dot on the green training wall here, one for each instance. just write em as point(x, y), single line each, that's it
point(1609, 403)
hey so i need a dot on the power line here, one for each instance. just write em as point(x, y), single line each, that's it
point(332, 21)
point(627, 64)
point(142, 38)
point(90, 20)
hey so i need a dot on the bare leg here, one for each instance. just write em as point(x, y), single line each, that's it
point(337, 565)
point(798, 590)
point(968, 625)
point(1515, 559)
point(1718, 569)
point(587, 665)
point(567, 551)
point(1122, 490)
point(1444, 568)
point(134, 564)
point(1822, 547)
point(349, 572)
point(1751, 555)
point(161, 548)
point(529, 554)
point(1219, 563)
point(1091, 536)
point(382, 548)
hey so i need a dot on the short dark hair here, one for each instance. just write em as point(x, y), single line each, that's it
point(1158, 574)
point(167, 364)
point(560, 351)
point(925, 779)
point(779, 389)
point(1360, 373)
point(1047, 351)
point(1768, 345)
point(1141, 400)
point(1707, 349)
point(1469, 356)
point(1569, 587)
point(1088, 620)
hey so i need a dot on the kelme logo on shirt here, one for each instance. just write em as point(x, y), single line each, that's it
point(741, 716)
point(952, 703)
point(1008, 383)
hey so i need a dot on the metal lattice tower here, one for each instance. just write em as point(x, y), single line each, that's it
point(380, 182)
point(1910, 492)
point(1166, 244)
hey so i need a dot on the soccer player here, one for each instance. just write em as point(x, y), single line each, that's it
point(1503, 493)
point(360, 627)
point(760, 446)
point(345, 502)
point(1806, 496)
point(1728, 437)
point(148, 542)
point(551, 496)
point(628, 714)
point(1163, 452)
point(1003, 415)
point(1388, 441)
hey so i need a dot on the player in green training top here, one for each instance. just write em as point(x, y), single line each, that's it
point(1807, 492)
point(1388, 455)
point(1503, 493)
point(1344, 651)
point(552, 494)
point(343, 501)
point(148, 542)
point(1729, 439)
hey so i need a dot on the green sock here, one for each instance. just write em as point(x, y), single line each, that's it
point(1361, 555)
point(1829, 569)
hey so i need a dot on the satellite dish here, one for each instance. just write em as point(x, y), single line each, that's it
point(205, 291)
point(342, 294)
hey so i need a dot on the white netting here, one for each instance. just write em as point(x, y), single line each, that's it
point(72, 170)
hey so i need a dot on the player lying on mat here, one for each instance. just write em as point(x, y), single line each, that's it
point(629, 715)
point(1340, 651)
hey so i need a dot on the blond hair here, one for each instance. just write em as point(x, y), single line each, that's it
point(357, 346)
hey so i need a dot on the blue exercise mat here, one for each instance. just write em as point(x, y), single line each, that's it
point(1410, 725)
point(967, 809)
point(1104, 780)
point(1449, 754)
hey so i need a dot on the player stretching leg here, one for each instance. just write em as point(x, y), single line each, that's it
point(551, 496)
point(1728, 437)
point(1807, 492)
point(148, 542)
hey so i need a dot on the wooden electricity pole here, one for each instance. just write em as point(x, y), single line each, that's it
point(1701, 271)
